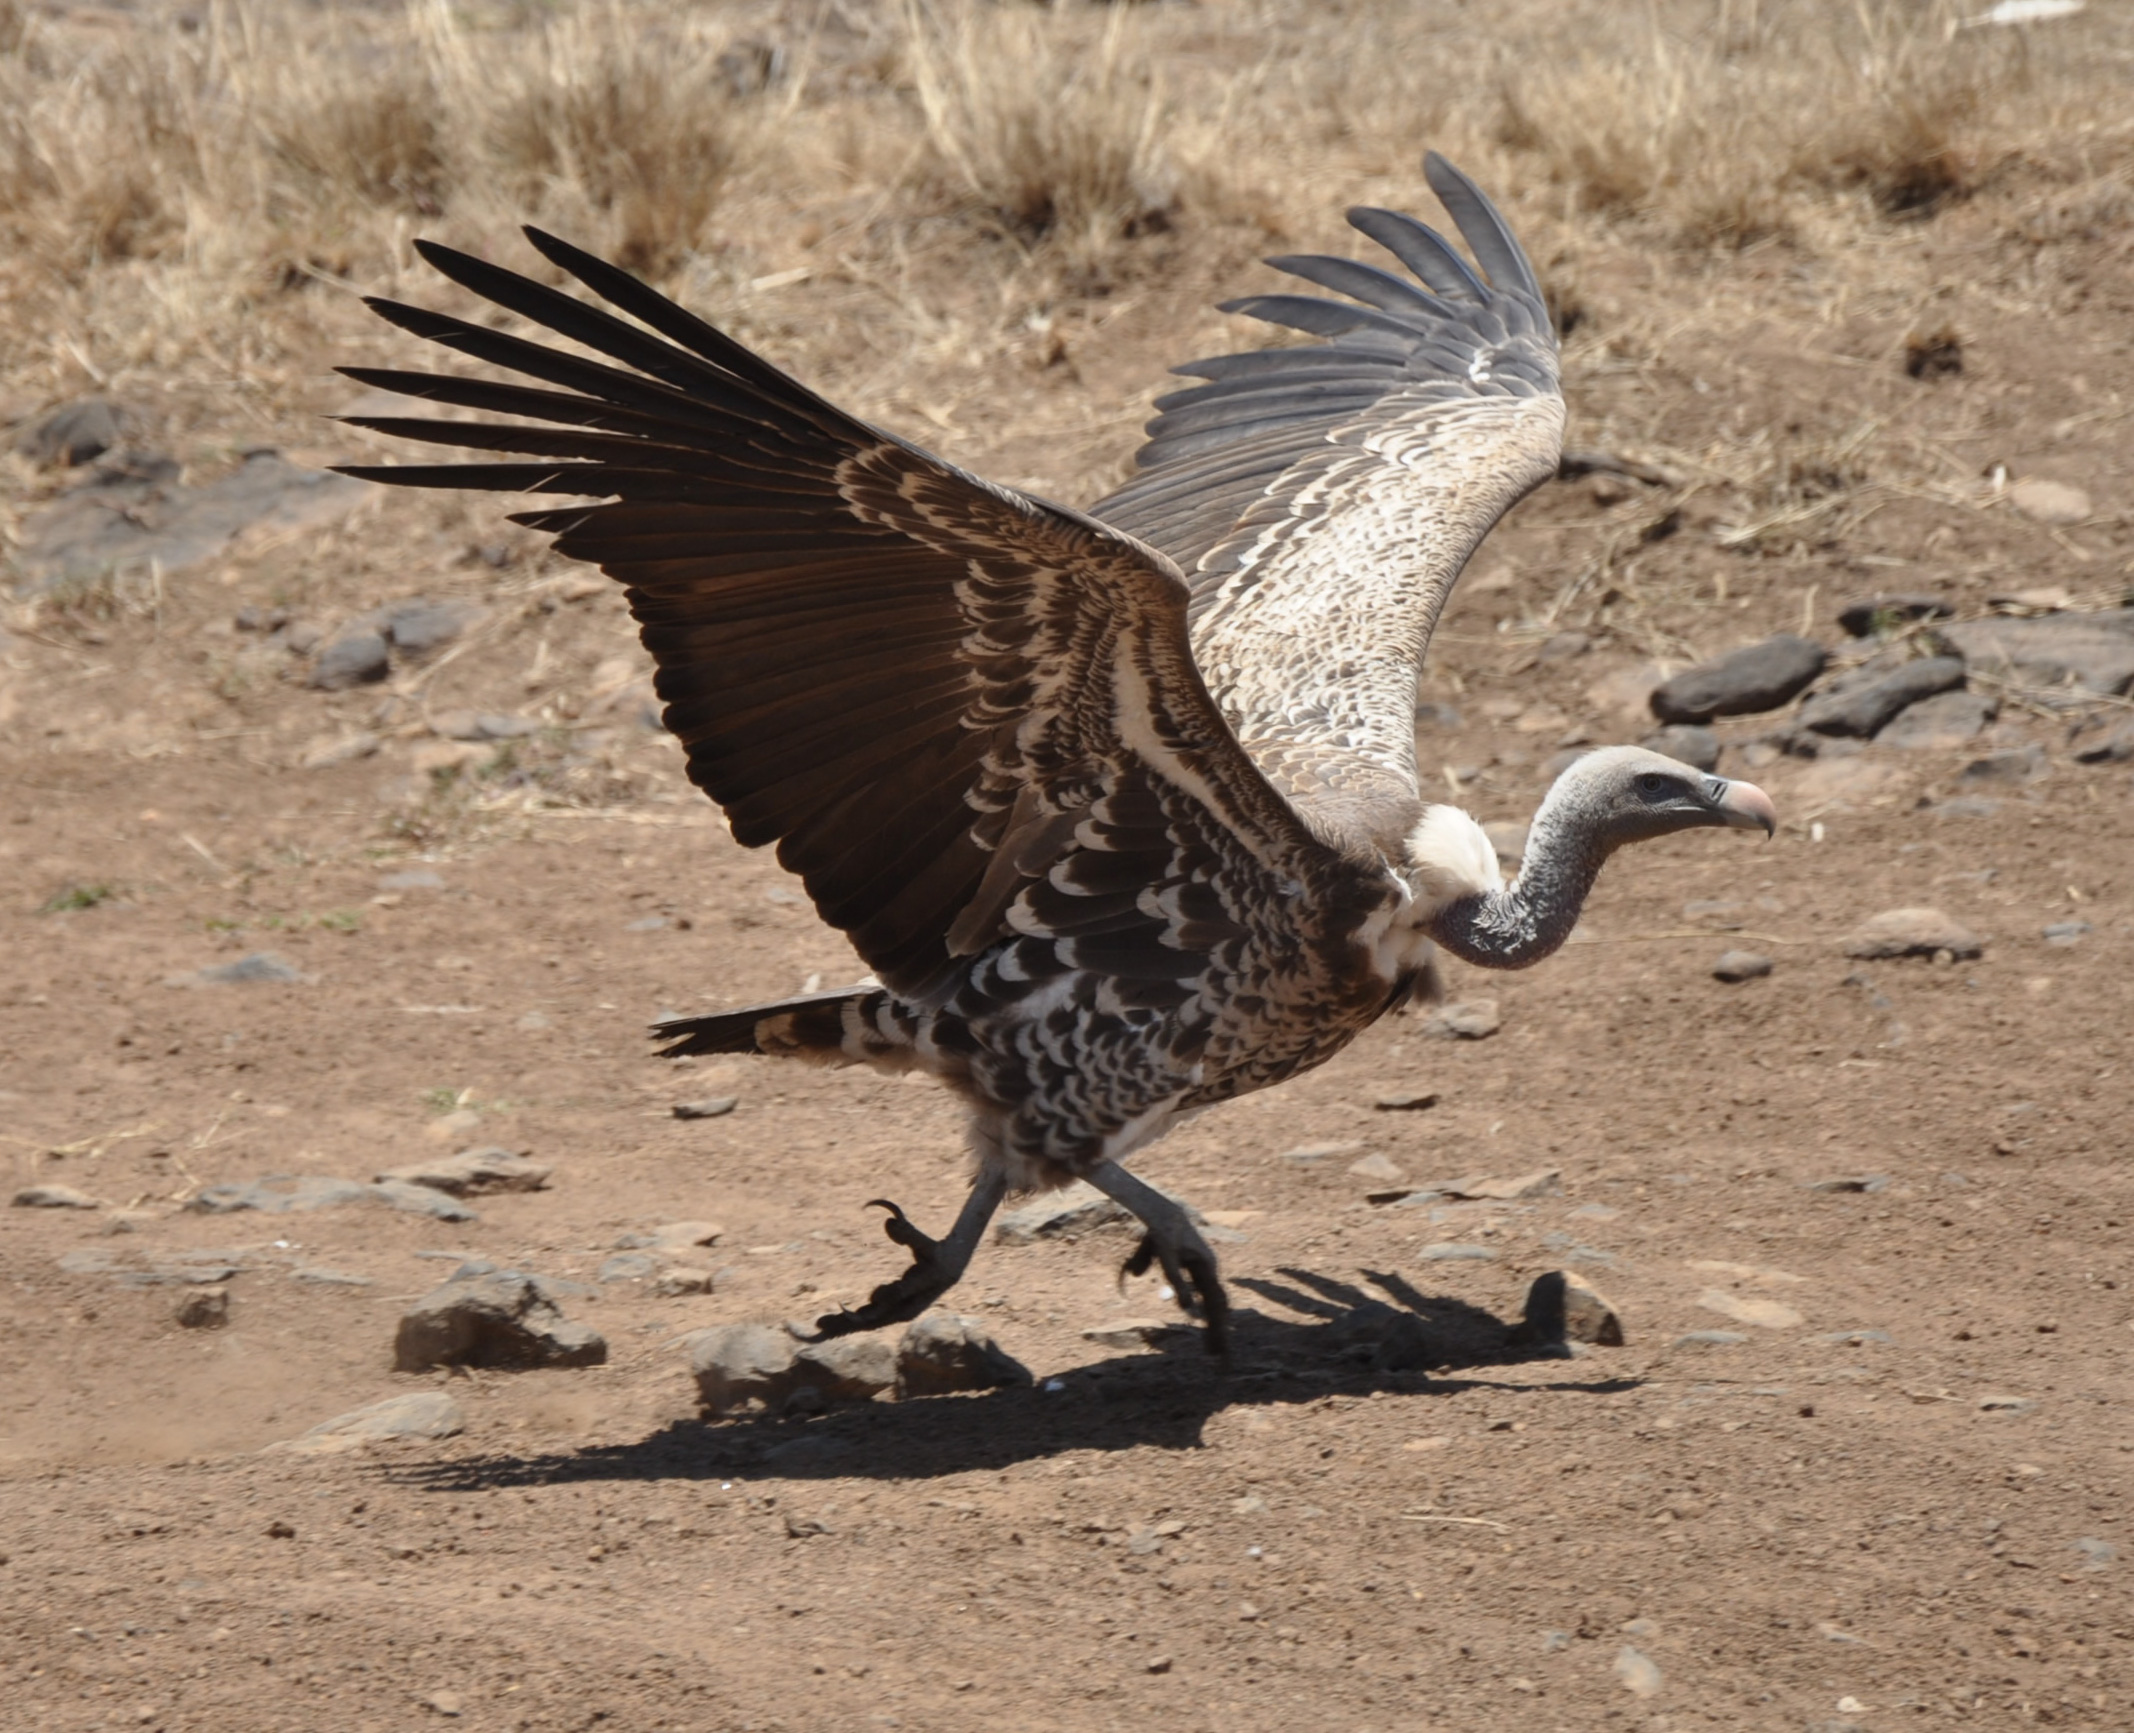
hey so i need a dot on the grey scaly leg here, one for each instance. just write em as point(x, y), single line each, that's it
point(936, 1265)
point(1175, 1243)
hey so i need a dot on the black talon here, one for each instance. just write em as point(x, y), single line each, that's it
point(898, 1301)
point(1194, 1283)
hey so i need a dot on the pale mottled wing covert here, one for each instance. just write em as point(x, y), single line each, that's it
point(961, 713)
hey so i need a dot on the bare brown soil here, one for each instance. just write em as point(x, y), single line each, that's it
point(1905, 1508)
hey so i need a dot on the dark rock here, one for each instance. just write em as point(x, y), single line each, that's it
point(1132, 1332)
point(1474, 1020)
point(942, 1354)
point(473, 1172)
point(1939, 724)
point(416, 628)
point(1760, 677)
point(1685, 744)
point(503, 1319)
point(1562, 1306)
point(1882, 613)
point(358, 657)
point(2091, 653)
point(53, 1197)
point(2020, 765)
point(1405, 1100)
point(1911, 933)
point(2104, 740)
point(1861, 709)
point(1852, 1182)
point(711, 1107)
point(203, 1309)
point(71, 433)
point(1734, 967)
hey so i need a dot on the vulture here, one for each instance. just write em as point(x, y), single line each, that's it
point(1120, 806)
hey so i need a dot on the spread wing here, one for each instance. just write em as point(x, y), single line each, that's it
point(952, 707)
point(1322, 499)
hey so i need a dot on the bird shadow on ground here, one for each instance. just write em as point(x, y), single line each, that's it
point(1351, 1342)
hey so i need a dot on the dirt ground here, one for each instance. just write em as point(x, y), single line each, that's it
point(1863, 1461)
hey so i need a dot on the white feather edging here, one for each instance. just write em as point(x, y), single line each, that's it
point(1450, 857)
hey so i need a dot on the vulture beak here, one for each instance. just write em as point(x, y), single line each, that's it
point(1744, 806)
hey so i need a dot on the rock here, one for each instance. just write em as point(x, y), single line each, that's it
point(848, 1368)
point(1857, 1339)
point(70, 433)
point(280, 1193)
point(1941, 723)
point(2017, 766)
point(358, 657)
point(1911, 933)
point(205, 1308)
point(322, 1276)
point(1562, 1306)
point(1475, 1020)
point(1312, 1154)
point(1639, 1675)
point(473, 1172)
point(737, 1364)
point(2006, 1404)
point(628, 1267)
point(711, 1107)
point(2049, 502)
point(1539, 1183)
point(1686, 744)
point(503, 1319)
point(678, 1280)
point(1764, 1314)
point(1710, 1339)
point(673, 1237)
point(1852, 1182)
point(1455, 1252)
point(245, 971)
point(418, 627)
point(54, 1197)
point(943, 1353)
point(2091, 652)
point(430, 1414)
point(2061, 935)
point(1760, 677)
point(481, 725)
point(417, 879)
point(332, 749)
point(1737, 966)
point(1860, 709)
point(2104, 740)
point(1131, 1332)
point(1376, 1167)
point(1883, 613)
point(1405, 1100)
point(1076, 1209)
point(2048, 600)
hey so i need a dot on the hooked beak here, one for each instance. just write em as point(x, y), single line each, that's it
point(1744, 806)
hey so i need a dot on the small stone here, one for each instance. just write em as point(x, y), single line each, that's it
point(628, 1267)
point(2104, 740)
point(1312, 1154)
point(204, 1309)
point(70, 434)
point(503, 1319)
point(2096, 1554)
point(322, 1276)
point(1475, 1020)
point(1076, 1209)
point(710, 1107)
point(1874, 614)
point(2086, 653)
point(1911, 933)
point(1710, 1339)
point(1859, 708)
point(330, 750)
point(2063, 934)
point(737, 1364)
point(246, 971)
point(358, 657)
point(482, 725)
point(1857, 1339)
point(1764, 1314)
point(1758, 677)
point(1562, 1306)
point(1852, 1182)
point(944, 1353)
point(1686, 744)
point(2049, 599)
point(2006, 1404)
point(848, 1368)
point(1538, 1183)
point(54, 1197)
point(1453, 1252)
point(673, 1237)
point(2049, 502)
point(1405, 1100)
point(418, 627)
point(1639, 1675)
point(414, 879)
point(1131, 1332)
point(1738, 966)
point(280, 1193)
point(431, 1414)
point(473, 1172)
point(2021, 765)
point(1942, 723)
point(1158, 1664)
point(677, 1281)
point(446, 1703)
point(1376, 1167)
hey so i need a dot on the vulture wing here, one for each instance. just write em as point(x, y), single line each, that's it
point(930, 692)
point(1322, 499)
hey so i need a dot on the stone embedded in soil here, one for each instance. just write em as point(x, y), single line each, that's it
point(473, 1172)
point(1756, 678)
point(736, 1365)
point(2049, 502)
point(1537, 1183)
point(942, 1353)
point(203, 1309)
point(1474, 1020)
point(672, 1237)
point(1710, 1339)
point(418, 627)
point(848, 1368)
point(1686, 744)
point(357, 657)
point(2107, 739)
point(501, 1319)
point(1942, 723)
point(1860, 618)
point(70, 433)
point(2013, 768)
point(54, 1197)
point(1562, 1306)
point(1859, 709)
point(679, 1280)
point(333, 749)
point(2062, 935)
point(1376, 1167)
point(2091, 651)
point(1079, 1209)
point(1921, 932)
point(1851, 1182)
point(249, 970)
point(1764, 1314)
point(1131, 1332)
point(1455, 1252)
point(280, 1193)
point(429, 1414)
point(1638, 1673)
point(628, 1267)
point(1405, 1100)
point(1737, 966)
point(710, 1107)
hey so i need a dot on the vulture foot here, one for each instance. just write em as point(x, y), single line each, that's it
point(936, 1265)
point(1175, 1245)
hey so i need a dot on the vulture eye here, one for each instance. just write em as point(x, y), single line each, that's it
point(1655, 783)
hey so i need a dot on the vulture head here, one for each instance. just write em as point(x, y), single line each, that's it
point(1619, 795)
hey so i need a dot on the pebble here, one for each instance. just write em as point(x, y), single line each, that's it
point(203, 1309)
point(1942, 723)
point(54, 1197)
point(1920, 932)
point(2094, 651)
point(1405, 1100)
point(2049, 502)
point(321, 1276)
point(2019, 765)
point(628, 1267)
point(1637, 1672)
point(473, 1172)
point(69, 434)
point(1857, 1339)
point(280, 1193)
point(413, 879)
point(1855, 1182)
point(357, 657)
point(2096, 1554)
point(245, 971)
point(1758, 677)
point(1860, 618)
point(481, 725)
point(2006, 1404)
point(420, 626)
point(1859, 708)
point(1131, 1332)
point(1076, 1209)
point(1376, 1167)
point(1685, 743)
point(1474, 1020)
point(944, 1353)
point(679, 1280)
point(332, 749)
point(1764, 1314)
point(503, 1318)
point(1454, 1252)
point(1539, 1183)
point(673, 1237)
point(737, 1365)
point(2104, 740)
point(1311, 1154)
point(1737, 966)
point(1562, 1306)
point(2062, 934)
point(711, 1107)
point(430, 1414)
point(1710, 1339)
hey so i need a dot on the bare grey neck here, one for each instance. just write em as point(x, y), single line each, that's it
point(1530, 919)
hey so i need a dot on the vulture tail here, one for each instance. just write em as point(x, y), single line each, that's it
point(850, 1025)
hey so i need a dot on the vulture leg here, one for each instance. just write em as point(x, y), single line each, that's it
point(1172, 1241)
point(936, 1265)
